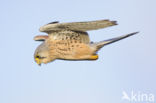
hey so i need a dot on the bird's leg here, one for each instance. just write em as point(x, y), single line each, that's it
point(93, 57)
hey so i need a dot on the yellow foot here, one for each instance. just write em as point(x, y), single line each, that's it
point(94, 57)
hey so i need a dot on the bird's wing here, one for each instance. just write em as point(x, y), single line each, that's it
point(41, 37)
point(77, 26)
point(70, 36)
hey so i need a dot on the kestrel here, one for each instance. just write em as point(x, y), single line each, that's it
point(70, 41)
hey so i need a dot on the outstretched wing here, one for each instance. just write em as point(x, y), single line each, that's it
point(77, 26)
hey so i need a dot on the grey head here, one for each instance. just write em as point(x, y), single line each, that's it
point(41, 54)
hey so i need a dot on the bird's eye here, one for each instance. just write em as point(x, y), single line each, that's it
point(37, 56)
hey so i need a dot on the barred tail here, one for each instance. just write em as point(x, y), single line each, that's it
point(100, 44)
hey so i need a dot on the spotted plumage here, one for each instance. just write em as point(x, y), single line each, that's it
point(70, 41)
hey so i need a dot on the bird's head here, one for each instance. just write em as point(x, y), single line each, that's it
point(42, 54)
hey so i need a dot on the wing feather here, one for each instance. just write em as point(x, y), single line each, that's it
point(77, 26)
point(70, 36)
point(41, 37)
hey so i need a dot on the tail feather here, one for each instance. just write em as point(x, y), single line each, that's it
point(99, 45)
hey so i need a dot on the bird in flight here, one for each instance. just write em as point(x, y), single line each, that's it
point(70, 41)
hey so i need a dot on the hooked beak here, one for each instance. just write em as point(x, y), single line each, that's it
point(38, 61)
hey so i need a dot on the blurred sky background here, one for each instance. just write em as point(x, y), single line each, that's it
point(126, 65)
